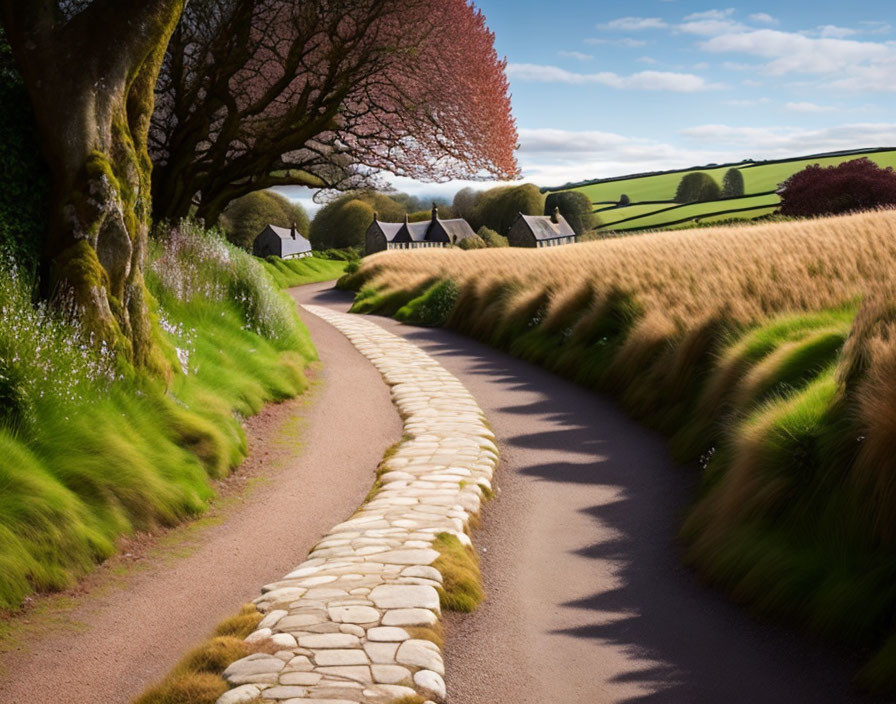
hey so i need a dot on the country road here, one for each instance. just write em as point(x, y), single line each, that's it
point(588, 602)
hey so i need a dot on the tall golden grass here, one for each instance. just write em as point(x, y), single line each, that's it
point(768, 352)
point(747, 272)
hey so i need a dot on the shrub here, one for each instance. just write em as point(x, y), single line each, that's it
point(246, 217)
point(432, 307)
point(624, 200)
point(575, 206)
point(497, 208)
point(344, 221)
point(474, 242)
point(855, 185)
point(492, 238)
point(697, 187)
point(733, 184)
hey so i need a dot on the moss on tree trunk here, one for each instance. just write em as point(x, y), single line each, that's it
point(91, 79)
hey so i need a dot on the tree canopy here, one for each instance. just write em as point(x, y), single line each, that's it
point(697, 187)
point(859, 184)
point(257, 93)
point(497, 208)
point(344, 221)
point(733, 184)
point(575, 206)
point(245, 217)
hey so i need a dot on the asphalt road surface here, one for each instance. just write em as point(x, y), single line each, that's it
point(588, 602)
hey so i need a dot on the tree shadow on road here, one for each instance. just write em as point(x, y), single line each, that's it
point(683, 642)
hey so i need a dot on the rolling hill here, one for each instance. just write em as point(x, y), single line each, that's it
point(651, 195)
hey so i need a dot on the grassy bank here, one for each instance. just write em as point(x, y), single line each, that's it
point(765, 353)
point(298, 272)
point(93, 450)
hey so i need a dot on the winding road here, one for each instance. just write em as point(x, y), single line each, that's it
point(588, 602)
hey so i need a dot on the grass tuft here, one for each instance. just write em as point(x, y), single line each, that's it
point(196, 679)
point(461, 588)
point(433, 633)
point(242, 624)
point(190, 688)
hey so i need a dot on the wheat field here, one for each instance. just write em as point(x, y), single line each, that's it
point(683, 276)
point(766, 353)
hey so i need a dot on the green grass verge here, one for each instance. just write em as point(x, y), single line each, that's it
point(781, 522)
point(461, 588)
point(94, 450)
point(287, 273)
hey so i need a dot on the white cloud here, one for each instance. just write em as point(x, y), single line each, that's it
point(792, 52)
point(578, 55)
point(554, 141)
point(554, 157)
point(644, 80)
point(876, 27)
point(635, 24)
point(710, 23)
point(763, 18)
point(747, 102)
point(649, 60)
point(625, 41)
point(831, 31)
point(551, 157)
point(769, 142)
point(710, 15)
point(805, 106)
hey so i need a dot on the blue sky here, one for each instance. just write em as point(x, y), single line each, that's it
point(603, 89)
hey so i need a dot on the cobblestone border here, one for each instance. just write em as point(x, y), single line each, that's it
point(345, 618)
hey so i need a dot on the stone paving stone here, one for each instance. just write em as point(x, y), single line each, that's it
point(339, 618)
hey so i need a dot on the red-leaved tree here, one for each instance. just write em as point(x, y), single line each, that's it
point(859, 184)
point(325, 93)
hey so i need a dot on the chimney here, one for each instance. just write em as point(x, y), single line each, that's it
point(405, 218)
point(555, 217)
point(435, 212)
point(292, 232)
point(376, 216)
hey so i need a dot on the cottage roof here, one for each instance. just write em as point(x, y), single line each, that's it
point(457, 229)
point(544, 227)
point(288, 243)
point(389, 229)
point(412, 231)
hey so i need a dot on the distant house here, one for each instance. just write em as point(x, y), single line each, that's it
point(415, 235)
point(281, 242)
point(541, 231)
point(379, 235)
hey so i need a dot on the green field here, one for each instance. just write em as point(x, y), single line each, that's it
point(298, 272)
point(651, 195)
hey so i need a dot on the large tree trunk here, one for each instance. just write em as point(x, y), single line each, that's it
point(91, 80)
